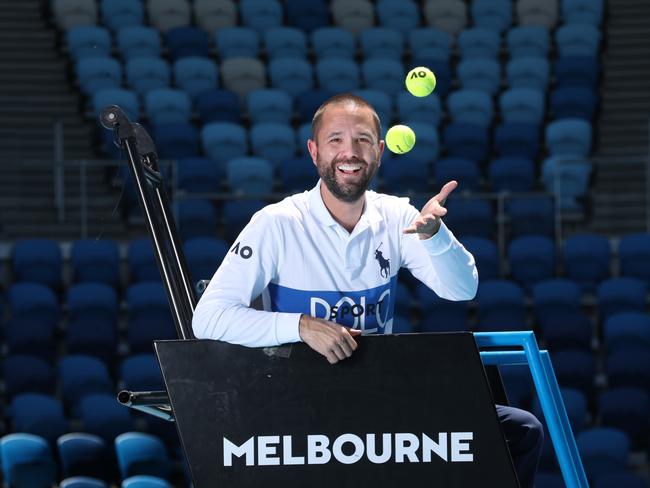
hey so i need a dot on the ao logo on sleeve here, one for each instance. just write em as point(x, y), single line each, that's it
point(245, 251)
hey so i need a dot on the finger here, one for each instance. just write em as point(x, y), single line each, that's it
point(351, 343)
point(338, 352)
point(345, 346)
point(331, 357)
point(355, 332)
point(445, 191)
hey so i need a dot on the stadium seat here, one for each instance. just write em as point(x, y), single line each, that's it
point(627, 330)
point(586, 259)
point(466, 141)
point(82, 482)
point(38, 414)
point(88, 41)
point(603, 450)
point(104, 417)
point(403, 174)
point(478, 43)
point(237, 213)
point(517, 139)
point(470, 107)
point(576, 71)
point(531, 259)
point(381, 42)
point(575, 403)
point(73, 13)
point(146, 74)
point(297, 174)
point(218, 106)
point(429, 42)
point(149, 316)
point(243, 75)
point(428, 144)
point(531, 216)
point(27, 374)
point(141, 372)
point(142, 262)
point(167, 106)
point(616, 295)
point(522, 105)
point(198, 175)
point(628, 367)
point(528, 41)
point(575, 368)
point(465, 171)
point(273, 141)
point(556, 296)
point(92, 336)
point(307, 16)
point(353, 15)
point(577, 40)
point(261, 15)
point(627, 409)
point(35, 302)
point(143, 481)
point(569, 179)
point(97, 73)
point(196, 218)
point(333, 42)
point(177, 140)
point(138, 41)
point(294, 76)
point(165, 15)
point(574, 102)
point(500, 306)
point(186, 42)
point(308, 102)
point(285, 42)
point(97, 300)
point(141, 454)
point(195, 75)
point(127, 100)
point(518, 384)
point(511, 174)
point(82, 375)
point(489, 14)
point(338, 74)
point(223, 141)
point(401, 15)
point(421, 109)
point(250, 175)
point(204, 255)
point(470, 217)
point(215, 15)
point(120, 14)
point(532, 12)
point(439, 315)
point(588, 12)
point(237, 42)
point(480, 74)
point(447, 15)
point(569, 137)
point(634, 256)
point(27, 461)
point(382, 103)
point(485, 254)
point(528, 72)
point(37, 261)
point(384, 75)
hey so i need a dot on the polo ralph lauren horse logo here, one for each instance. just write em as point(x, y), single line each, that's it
point(384, 264)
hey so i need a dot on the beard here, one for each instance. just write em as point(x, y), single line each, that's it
point(346, 191)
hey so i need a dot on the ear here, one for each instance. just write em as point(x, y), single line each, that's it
point(313, 149)
point(382, 146)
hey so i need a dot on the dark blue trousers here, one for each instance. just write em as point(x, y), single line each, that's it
point(525, 436)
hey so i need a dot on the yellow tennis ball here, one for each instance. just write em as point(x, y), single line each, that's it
point(420, 81)
point(400, 139)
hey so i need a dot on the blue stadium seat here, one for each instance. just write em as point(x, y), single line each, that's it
point(627, 409)
point(37, 261)
point(522, 105)
point(586, 259)
point(511, 174)
point(518, 385)
point(531, 12)
point(627, 330)
point(297, 174)
point(528, 72)
point(82, 375)
point(250, 175)
point(628, 367)
point(575, 403)
point(95, 260)
point(92, 336)
point(555, 296)
point(33, 301)
point(569, 137)
point(490, 14)
point(430, 43)
point(568, 178)
point(308, 102)
point(143, 481)
point(261, 15)
point(97, 73)
point(204, 255)
point(517, 139)
point(577, 40)
point(237, 213)
point(273, 141)
point(576, 71)
point(215, 15)
point(167, 105)
point(27, 374)
point(477, 42)
point(574, 102)
point(616, 295)
point(354, 16)
point(442, 71)
point(138, 41)
point(269, 105)
point(27, 461)
point(120, 14)
point(196, 218)
point(102, 416)
point(500, 306)
point(237, 42)
point(485, 254)
point(303, 135)
point(218, 106)
point(338, 74)
point(465, 171)
point(634, 256)
point(82, 482)
point(141, 454)
point(383, 74)
point(575, 369)
point(621, 479)
point(403, 174)
point(127, 100)
point(294, 76)
point(531, 259)
point(177, 140)
point(195, 75)
point(91, 299)
point(439, 315)
point(142, 262)
point(149, 316)
point(402, 15)
point(381, 102)
point(88, 41)
point(582, 11)
point(198, 175)
point(448, 15)
point(333, 42)
point(223, 141)
point(531, 216)
point(427, 144)
point(381, 42)
point(421, 109)
point(480, 74)
point(168, 14)
point(285, 42)
point(528, 41)
point(146, 74)
point(466, 141)
point(187, 41)
point(470, 217)
point(38, 414)
point(603, 450)
point(467, 106)
point(307, 16)
point(141, 372)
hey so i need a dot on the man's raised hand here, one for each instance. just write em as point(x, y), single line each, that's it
point(333, 341)
point(428, 222)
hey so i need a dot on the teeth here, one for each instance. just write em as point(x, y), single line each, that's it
point(349, 167)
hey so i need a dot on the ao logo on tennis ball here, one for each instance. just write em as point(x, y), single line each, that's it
point(420, 81)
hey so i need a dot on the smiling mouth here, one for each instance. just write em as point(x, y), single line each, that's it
point(349, 168)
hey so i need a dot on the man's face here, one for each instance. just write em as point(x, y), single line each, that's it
point(346, 150)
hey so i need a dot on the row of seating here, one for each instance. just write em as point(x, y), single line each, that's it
point(353, 15)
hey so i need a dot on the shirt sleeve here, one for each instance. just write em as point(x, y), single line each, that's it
point(440, 262)
point(224, 311)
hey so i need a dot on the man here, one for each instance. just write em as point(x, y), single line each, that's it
point(326, 261)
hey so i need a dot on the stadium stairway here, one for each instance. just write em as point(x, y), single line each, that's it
point(619, 191)
point(34, 92)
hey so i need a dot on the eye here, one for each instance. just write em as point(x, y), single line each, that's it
point(335, 139)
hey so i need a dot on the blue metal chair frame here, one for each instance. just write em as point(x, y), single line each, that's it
point(548, 392)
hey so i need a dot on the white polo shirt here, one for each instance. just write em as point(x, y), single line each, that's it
point(301, 260)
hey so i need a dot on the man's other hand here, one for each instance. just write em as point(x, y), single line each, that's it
point(333, 341)
point(428, 222)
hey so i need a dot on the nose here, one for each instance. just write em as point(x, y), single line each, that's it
point(350, 149)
